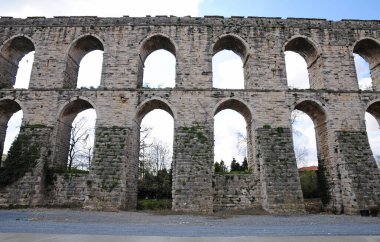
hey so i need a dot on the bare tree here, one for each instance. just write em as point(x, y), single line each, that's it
point(301, 152)
point(294, 116)
point(242, 143)
point(144, 145)
point(158, 156)
point(81, 144)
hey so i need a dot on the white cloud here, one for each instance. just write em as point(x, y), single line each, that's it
point(227, 125)
point(227, 69)
point(296, 71)
point(101, 8)
point(14, 125)
point(161, 124)
point(304, 139)
point(363, 73)
point(159, 70)
point(24, 71)
point(373, 131)
point(90, 69)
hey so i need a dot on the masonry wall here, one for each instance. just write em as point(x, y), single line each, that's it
point(68, 190)
point(267, 102)
point(235, 191)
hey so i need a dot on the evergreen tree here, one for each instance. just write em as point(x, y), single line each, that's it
point(235, 166)
point(218, 168)
point(223, 167)
point(244, 166)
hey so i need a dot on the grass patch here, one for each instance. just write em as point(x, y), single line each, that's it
point(234, 172)
point(154, 204)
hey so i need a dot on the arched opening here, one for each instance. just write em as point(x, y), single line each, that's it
point(10, 122)
point(157, 63)
point(305, 146)
point(297, 74)
point(16, 53)
point(313, 170)
point(78, 50)
point(363, 73)
point(232, 137)
point(372, 118)
point(367, 63)
point(90, 70)
point(155, 156)
point(75, 136)
point(159, 70)
point(294, 64)
point(229, 56)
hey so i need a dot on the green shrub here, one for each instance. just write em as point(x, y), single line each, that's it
point(309, 184)
point(21, 158)
point(155, 186)
point(154, 204)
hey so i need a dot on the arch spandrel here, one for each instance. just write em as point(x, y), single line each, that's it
point(369, 49)
point(231, 42)
point(69, 110)
point(155, 42)
point(236, 105)
point(150, 105)
point(314, 109)
point(7, 108)
point(303, 46)
point(374, 109)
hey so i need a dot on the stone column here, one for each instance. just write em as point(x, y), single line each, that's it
point(280, 184)
point(338, 68)
point(375, 75)
point(192, 168)
point(3, 132)
point(112, 183)
point(360, 178)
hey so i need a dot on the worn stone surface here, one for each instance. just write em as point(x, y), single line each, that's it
point(235, 191)
point(334, 103)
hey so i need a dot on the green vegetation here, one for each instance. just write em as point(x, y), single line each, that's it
point(155, 190)
point(197, 131)
point(154, 204)
point(236, 168)
point(267, 126)
point(309, 184)
point(220, 167)
point(65, 170)
point(21, 158)
point(50, 177)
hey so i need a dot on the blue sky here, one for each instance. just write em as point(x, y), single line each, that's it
point(331, 10)
point(328, 9)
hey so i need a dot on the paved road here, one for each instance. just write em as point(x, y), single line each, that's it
point(88, 238)
point(59, 225)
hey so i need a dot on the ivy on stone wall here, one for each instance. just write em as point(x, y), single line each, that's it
point(21, 158)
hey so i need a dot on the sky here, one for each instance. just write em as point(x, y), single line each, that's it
point(227, 123)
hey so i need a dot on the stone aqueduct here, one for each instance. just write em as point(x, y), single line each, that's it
point(334, 102)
